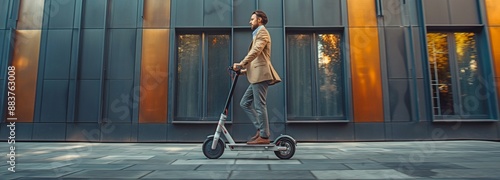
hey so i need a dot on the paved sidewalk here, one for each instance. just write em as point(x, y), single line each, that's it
point(350, 160)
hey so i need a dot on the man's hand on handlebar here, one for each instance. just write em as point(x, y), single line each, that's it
point(237, 66)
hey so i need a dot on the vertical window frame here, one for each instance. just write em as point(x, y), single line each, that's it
point(203, 111)
point(460, 114)
point(316, 116)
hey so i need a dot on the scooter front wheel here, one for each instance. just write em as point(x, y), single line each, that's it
point(213, 153)
point(290, 148)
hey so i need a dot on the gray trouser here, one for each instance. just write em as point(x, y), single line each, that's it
point(253, 103)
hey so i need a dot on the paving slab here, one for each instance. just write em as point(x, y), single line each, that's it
point(234, 167)
point(272, 175)
point(90, 174)
point(361, 174)
point(318, 166)
point(365, 166)
point(155, 167)
point(187, 175)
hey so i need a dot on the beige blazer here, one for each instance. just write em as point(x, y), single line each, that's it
point(258, 60)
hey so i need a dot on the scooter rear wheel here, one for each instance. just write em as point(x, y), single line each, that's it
point(290, 148)
point(213, 153)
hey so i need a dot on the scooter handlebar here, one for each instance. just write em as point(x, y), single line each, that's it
point(236, 71)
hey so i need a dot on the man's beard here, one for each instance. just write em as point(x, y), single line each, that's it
point(254, 27)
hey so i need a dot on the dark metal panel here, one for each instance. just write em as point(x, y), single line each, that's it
point(4, 131)
point(54, 101)
point(42, 59)
point(116, 132)
point(388, 130)
point(424, 111)
point(241, 42)
point(498, 130)
point(384, 64)
point(24, 131)
point(3, 41)
point(296, 17)
point(217, 13)
point(276, 129)
point(152, 133)
point(462, 130)
point(417, 51)
point(49, 131)
point(137, 68)
point(303, 132)
point(123, 14)
point(87, 101)
point(243, 132)
point(327, 13)
point(3, 105)
point(276, 93)
point(4, 9)
point(274, 12)
point(190, 132)
point(191, 17)
point(413, 12)
point(410, 131)
point(118, 104)
point(397, 63)
point(238, 115)
point(73, 69)
point(86, 132)
point(134, 132)
point(93, 12)
point(400, 100)
point(464, 12)
point(436, 12)
point(58, 54)
point(91, 50)
point(61, 13)
point(121, 59)
point(369, 131)
point(336, 132)
point(242, 10)
point(393, 13)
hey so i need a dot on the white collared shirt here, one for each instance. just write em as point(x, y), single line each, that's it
point(256, 30)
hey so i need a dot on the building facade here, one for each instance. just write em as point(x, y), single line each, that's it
point(156, 70)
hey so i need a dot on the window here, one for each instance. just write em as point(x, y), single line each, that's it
point(202, 81)
point(456, 76)
point(315, 72)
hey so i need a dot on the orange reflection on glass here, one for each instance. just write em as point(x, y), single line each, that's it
point(366, 76)
point(30, 14)
point(154, 76)
point(156, 13)
point(330, 76)
point(492, 9)
point(439, 65)
point(361, 13)
point(495, 48)
point(497, 81)
point(495, 51)
point(25, 60)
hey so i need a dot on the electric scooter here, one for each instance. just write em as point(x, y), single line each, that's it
point(213, 147)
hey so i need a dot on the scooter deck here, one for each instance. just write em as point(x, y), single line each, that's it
point(255, 147)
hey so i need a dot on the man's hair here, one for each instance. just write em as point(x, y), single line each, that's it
point(262, 15)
